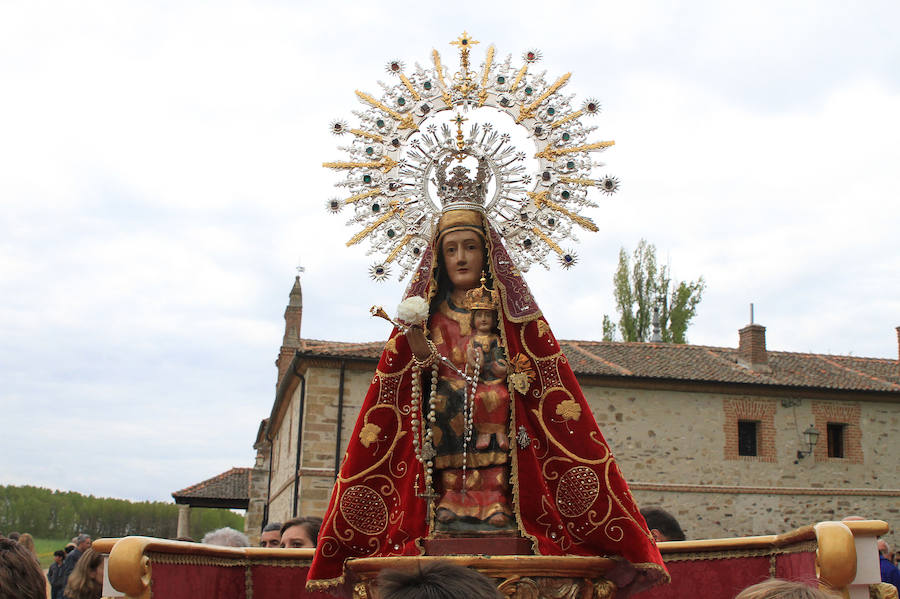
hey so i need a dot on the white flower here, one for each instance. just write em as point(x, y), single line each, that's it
point(413, 310)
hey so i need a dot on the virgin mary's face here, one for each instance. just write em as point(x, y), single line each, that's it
point(463, 253)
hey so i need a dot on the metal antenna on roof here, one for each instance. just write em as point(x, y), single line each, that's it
point(751, 312)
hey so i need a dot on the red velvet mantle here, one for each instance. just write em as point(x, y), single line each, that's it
point(569, 495)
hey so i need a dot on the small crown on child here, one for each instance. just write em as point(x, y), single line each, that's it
point(482, 298)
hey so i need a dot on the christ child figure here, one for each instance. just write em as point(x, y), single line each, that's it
point(490, 411)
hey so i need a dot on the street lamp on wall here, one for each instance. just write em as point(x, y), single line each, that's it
point(810, 438)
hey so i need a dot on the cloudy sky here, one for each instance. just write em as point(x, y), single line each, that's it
point(160, 181)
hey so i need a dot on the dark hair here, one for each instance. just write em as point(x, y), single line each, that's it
point(20, 575)
point(436, 580)
point(664, 522)
point(14, 536)
point(69, 549)
point(272, 526)
point(81, 583)
point(59, 553)
point(311, 524)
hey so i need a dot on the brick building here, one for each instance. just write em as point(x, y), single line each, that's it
point(710, 433)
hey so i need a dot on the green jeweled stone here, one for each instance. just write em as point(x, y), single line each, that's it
point(501, 80)
point(376, 207)
point(367, 178)
point(370, 150)
point(379, 123)
point(401, 101)
point(566, 137)
point(528, 91)
point(570, 165)
point(391, 233)
point(565, 194)
point(427, 85)
point(551, 111)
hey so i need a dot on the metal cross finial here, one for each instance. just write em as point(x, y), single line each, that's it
point(428, 495)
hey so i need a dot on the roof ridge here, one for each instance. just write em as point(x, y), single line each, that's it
point(859, 373)
point(621, 369)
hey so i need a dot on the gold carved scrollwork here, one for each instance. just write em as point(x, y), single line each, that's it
point(526, 587)
point(360, 591)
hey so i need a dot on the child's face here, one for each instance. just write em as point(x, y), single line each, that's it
point(483, 320)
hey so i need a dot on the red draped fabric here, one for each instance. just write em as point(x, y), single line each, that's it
point(724, 577)
point(568, 494)
point(223, 581)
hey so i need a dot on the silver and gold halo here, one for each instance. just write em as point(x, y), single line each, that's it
point(398, 149)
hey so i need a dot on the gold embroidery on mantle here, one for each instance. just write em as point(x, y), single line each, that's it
point(387, 454)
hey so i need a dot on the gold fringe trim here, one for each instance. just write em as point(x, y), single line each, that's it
point(805, 547)
point(181, 559)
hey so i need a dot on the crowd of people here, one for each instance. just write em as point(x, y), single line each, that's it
point(76, 571)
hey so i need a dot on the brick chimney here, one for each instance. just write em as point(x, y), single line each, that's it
point(752, 347)
point(293, 315)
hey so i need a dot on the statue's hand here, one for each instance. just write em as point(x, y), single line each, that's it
point(416, 338)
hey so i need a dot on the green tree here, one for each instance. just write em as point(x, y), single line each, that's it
point(640, 286)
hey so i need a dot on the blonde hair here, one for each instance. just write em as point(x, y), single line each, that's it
point(81, 584)
point(775, 588)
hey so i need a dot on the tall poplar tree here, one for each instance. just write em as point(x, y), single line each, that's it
point(640, 285)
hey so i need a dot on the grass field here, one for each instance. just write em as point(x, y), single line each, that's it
point(45, 549)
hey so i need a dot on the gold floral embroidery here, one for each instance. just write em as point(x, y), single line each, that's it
point(569, 410)
point(369, 434)
point(542, 327)
point(391, 345)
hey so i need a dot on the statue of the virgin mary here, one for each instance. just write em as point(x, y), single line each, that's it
point(474, 424)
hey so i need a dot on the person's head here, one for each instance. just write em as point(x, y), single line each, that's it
point(436, 580)
point(663, 525)
point(27, 541)
point(59, 555)
point(460, 246)
point(484, 321)
point(86, 580)
point(14, 536)
point(82, 542)
point(271, 535)
point(20, 574)
point(784, 589)
point(227, 537)
point(884, 549)
point(299, 533)
point(69, 548)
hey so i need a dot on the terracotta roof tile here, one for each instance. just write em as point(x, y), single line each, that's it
point(231, 485)
point(665, 361)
